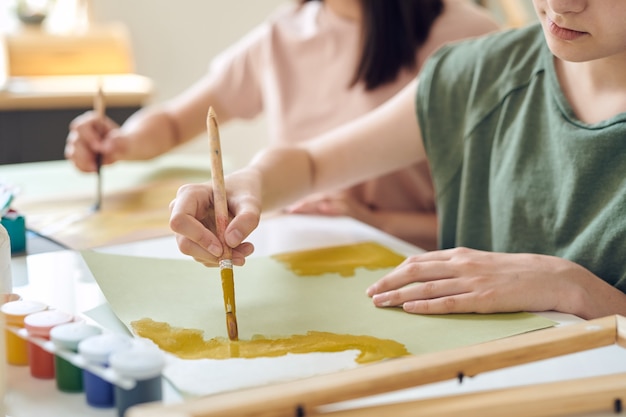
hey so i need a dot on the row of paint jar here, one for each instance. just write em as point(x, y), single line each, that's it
point(113, 370)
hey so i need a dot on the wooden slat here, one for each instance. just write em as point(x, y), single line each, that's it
point(70, 92)
point(563, 398)
point(621, 331)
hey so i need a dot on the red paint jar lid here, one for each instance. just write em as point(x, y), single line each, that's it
point(40, 324)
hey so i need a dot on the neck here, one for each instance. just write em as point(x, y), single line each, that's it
point(595, 89)
point(599, 75)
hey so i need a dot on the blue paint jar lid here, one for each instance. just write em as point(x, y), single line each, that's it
point(139, 363)
point(69, 335)
point(97, 349)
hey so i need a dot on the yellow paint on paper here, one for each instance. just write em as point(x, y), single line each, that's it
point(342, 260)
point(272, 300)
point(126, 216)
point(189, 344)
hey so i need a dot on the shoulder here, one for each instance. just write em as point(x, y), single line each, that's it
point(471, 77)
point(253, 46)
point(502, 58)
point(287, 19)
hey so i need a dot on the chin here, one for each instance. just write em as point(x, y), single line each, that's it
point(570, 53)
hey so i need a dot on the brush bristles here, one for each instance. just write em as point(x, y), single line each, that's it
point(231, 324)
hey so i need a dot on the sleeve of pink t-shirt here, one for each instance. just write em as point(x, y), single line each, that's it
point(237, 74)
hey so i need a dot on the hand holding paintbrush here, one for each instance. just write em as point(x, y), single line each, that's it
point(221, 221)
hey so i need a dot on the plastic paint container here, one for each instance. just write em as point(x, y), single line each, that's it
point(14, 313)
point(96, 351)
point(39, 325)
point(144, 365)
point(69, 377)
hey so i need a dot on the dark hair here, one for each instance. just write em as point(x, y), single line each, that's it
point(393, 30)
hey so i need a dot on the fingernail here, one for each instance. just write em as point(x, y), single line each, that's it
point(381, 300)
point(371, 290)
point(234, 238)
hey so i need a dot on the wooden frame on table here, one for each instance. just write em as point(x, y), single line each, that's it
point(304, 397)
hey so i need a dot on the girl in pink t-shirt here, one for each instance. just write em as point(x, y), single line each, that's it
point(309, 67)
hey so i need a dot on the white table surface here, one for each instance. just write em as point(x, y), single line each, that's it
point(61, 280)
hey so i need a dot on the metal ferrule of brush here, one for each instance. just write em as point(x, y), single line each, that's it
point(226, 263)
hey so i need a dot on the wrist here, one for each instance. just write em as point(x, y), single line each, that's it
point(579, 292)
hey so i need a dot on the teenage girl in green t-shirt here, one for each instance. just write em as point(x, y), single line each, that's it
point(503, 257)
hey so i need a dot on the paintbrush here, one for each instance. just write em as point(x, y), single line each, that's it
point(99, 109)
point(221, 221)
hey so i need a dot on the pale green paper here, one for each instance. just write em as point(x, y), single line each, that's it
point(272, 301)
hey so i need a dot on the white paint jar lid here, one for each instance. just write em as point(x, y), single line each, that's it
point(69, 335)
point(97, 349)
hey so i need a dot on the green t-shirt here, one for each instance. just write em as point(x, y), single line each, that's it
point(514, 169)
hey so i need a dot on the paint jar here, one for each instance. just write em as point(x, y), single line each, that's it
point(96, 351)
point(66, 337)
point(39, 325)
point(14, 313)
point(144, 365)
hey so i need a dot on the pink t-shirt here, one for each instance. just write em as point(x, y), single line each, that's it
point(296, 68)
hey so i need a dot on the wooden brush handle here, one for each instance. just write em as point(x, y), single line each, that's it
point(217, 175)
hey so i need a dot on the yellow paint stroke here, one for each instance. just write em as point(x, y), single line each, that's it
point(126, 216)
point(190, 344)
point(341, 260)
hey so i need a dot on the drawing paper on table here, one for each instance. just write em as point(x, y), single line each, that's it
point(135, 214)
point(273, 302)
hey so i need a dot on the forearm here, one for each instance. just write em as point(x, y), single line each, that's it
point(285, 173)
point(149, 132)
point(381, 141)
point(159, 128)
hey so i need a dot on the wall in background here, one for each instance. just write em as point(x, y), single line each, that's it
point(173, 43)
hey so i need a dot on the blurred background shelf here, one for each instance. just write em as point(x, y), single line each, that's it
point(50, 71)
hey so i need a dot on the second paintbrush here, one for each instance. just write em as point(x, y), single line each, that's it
point(221, 221)
point(99, 109)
